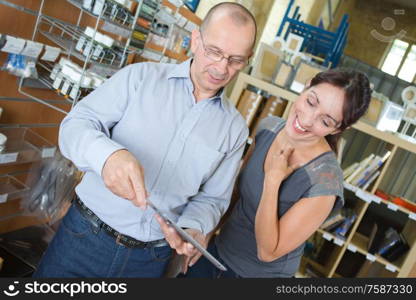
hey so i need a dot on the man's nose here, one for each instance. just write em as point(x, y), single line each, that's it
point(223, 65)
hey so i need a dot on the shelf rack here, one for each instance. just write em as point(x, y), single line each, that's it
point(123, 25)
point(162, 50)
point(66, 36)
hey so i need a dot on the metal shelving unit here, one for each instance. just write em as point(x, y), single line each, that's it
point(125, 24)
point(66, 35)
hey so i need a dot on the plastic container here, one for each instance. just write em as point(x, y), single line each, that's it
point(87, 4)
point(98, 7)
point(57, 83)
point(24, 145)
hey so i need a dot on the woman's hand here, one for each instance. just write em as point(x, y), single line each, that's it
point(280, 167)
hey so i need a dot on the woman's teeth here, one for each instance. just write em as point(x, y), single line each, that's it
point(297, 125)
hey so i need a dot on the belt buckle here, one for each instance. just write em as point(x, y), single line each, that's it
point(118, 240)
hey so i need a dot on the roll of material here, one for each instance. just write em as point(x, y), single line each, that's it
point(409, 95)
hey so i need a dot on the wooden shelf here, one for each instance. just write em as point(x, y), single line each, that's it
point(385, 136)
point(244, 79)
point(368, 197)
point(184, 12)
point(338, 241)
point(167, 52)
point(174, 55)
point(320, 268)
point(154, 47)
point(360, 242)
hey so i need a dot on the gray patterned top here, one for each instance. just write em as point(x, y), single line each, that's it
point(236, 242)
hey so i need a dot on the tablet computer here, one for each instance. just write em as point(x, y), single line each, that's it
point(187, 237)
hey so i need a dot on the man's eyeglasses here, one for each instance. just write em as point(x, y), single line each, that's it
point(214, 55)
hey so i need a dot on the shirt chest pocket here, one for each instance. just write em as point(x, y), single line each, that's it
point(196, 164)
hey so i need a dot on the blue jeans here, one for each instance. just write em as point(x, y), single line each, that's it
point(203, 268)
point(80, 250)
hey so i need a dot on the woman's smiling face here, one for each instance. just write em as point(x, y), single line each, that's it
point(316, 113)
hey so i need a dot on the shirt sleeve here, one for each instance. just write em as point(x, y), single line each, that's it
point(326, 181)
point(204, 210)
point(84, 134)
point(269, 123)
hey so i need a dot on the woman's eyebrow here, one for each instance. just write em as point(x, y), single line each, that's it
point(316, 96)
point(328, 115)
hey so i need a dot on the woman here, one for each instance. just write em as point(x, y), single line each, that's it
point(292, 170)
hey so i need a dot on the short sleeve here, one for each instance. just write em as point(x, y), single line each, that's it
point(271, 123)
point(326, 180)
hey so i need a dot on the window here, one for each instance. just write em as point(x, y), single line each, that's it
point(401, 61)
point(408, 70)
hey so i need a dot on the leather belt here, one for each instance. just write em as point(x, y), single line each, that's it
point(121, 239)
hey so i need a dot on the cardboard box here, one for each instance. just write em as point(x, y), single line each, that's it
point(304, 73)
point(266, 63)
point(283, 75)
point(374, 111)
point(274, 106)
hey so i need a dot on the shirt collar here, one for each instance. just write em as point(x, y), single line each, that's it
point(183, 70)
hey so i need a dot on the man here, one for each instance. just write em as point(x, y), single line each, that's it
point(161, 132)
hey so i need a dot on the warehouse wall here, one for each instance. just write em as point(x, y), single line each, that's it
point(366, 16)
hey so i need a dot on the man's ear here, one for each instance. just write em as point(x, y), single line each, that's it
point(195, 36)
point(251, 54)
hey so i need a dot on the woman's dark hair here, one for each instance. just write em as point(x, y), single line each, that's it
point(357, 97)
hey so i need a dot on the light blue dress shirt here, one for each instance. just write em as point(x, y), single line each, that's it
point(190, 151)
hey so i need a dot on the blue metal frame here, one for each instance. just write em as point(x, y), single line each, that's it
point(317, 41)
